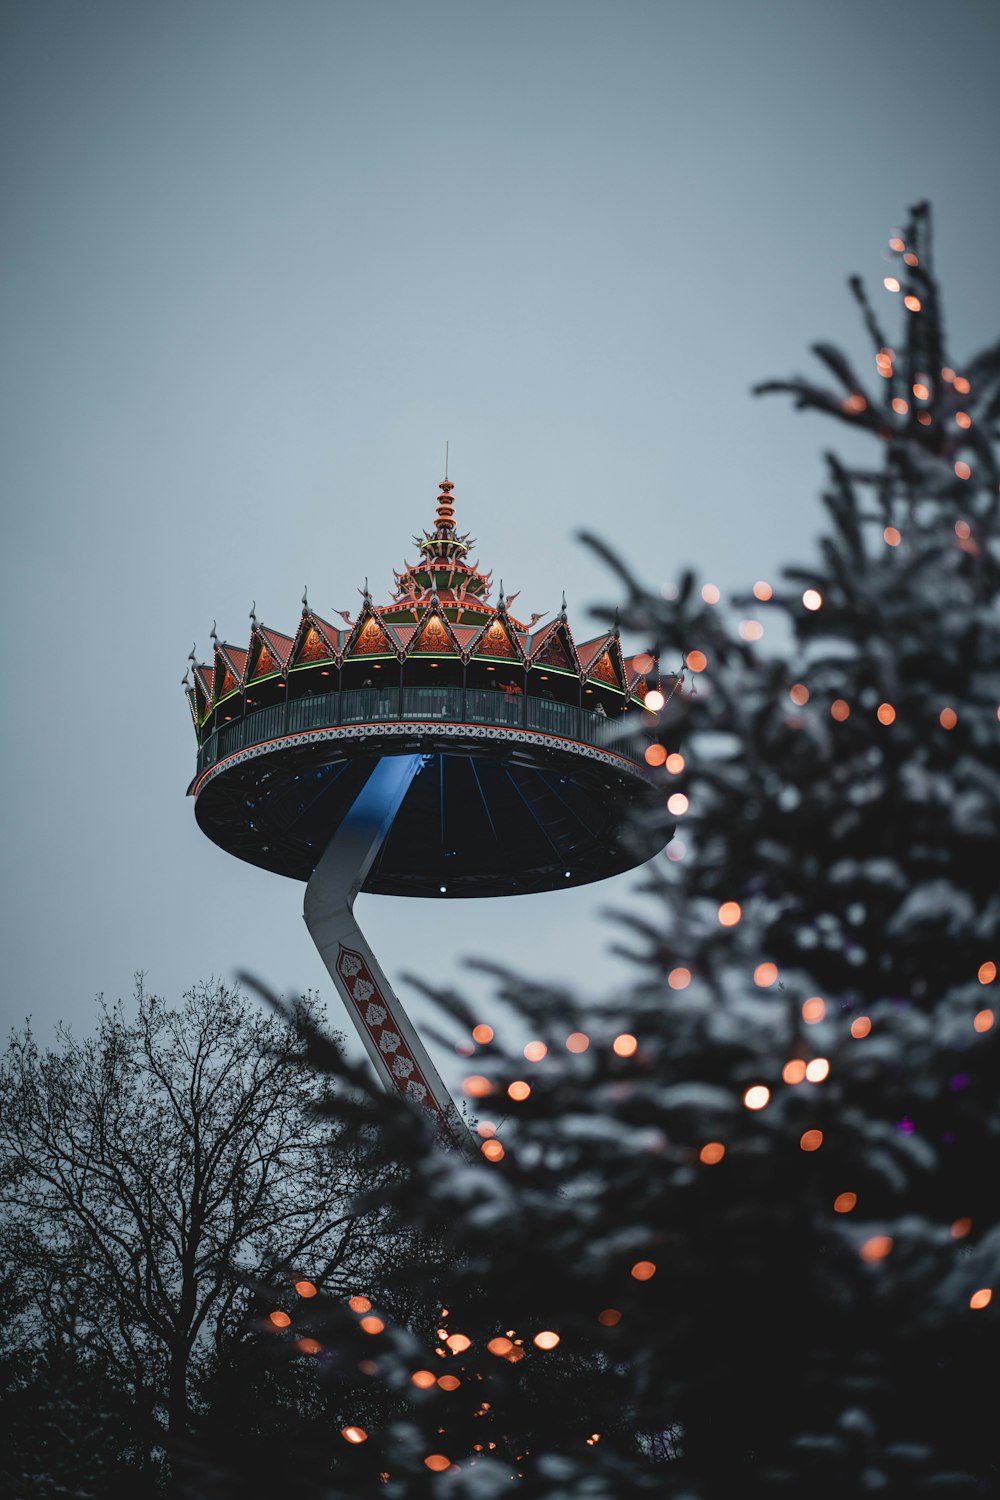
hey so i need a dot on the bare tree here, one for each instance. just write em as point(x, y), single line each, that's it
point(154, 1170)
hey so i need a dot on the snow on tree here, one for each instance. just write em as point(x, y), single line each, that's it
point(735, 1231)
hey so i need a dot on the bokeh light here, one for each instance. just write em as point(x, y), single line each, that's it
point(812, 599)
point(437, 1462)
point(625, 1044)
point(449, 1382)
point(860, 1026)
point(643, 1270)
point(712, 1152)
point(811, 1140)
point(987, 972)
point(697, 661)
point(813, 1010)
point(982, 1298)
point(609, 1317)
point(546, 1339)
point(794, 1070)
point(876, 1247)
point(476, 1086)
point(675, 763)
point(577, 1041)
point(518, 1090)
point(677, 804)
point(500, 1346)
point(840, 710)
point(482, 1033)
point(891, 536)
point(765, 975)
point(730, 913)
point(359, 1304)
point(654, 755)
point(947, 718)
point(305, 1289)
point(423, 1379)
point(885, 713)
point(535, 1051)
point(679, 979)
point(983, 1020)
point(458, 1343)
point(799, 694)
point(817, 1070)
point(354, 1434)
point(372, 1324)
point(844, 1203)
point(492, 1149)
point(710, 593)
point(756, 1096)
point(762, 590)
point(654, 700)
point(961, 1228)
point(279, 1319)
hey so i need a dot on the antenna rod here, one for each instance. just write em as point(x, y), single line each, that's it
point(446, 459)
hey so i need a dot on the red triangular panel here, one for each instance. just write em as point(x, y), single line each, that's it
point(495, 641)
point(555, 652)
point(433, 639)
point(371, 640)
point(604, 671)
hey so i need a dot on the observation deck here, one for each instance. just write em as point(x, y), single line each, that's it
point(518, 792)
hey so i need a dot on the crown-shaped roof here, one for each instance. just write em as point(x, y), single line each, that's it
point(441, 607)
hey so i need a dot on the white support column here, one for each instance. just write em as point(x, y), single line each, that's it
point(400, 1058)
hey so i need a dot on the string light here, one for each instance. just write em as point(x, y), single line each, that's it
point(546, 1339)
point(482, 1033)
point(987, 972)
point(756, 1096)
point(982, 1298)
point(305, 1289)
point(535, 1051)
point(813, 1010)
point(794, 1070)
point(762, 590)
point(799, 694)
point(891, 536)
point(359, 1304)
point(423, 1379)
point(643, 1270)
point(678, 804)
point(712, 1152)
point(519, 1090)
point(279, 1319)
point(947, 718)
point(840, 710)
point(697, 661)
point(577, 1041)
point(885, 713)
point(812, 599)
point(610, 1316)
point(679, 979)
point(765, 975)
point(844, 1203)
point(710, 593)
point(811, 1140)
point(876, 1247)
point(675, 763)
point(730, 913)
point(817, 1070)
point(354, 1434)
point(624, 1045)
point(860, 1026)
point(984, 1020)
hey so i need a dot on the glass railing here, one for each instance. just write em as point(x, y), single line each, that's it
point(424, 704)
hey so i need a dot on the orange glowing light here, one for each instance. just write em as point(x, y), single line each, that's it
point(305, 1289)
point(897, 244)
point(449, 1382)
point(811, 1140)
point(624, 1045)
point(609, 1317)
point(697, 661)
point(912, 304)
point(359, 1304)
point(765, 975)
point(437, 1462)
point(813, 1010)
point(963, 419)
point(762, 589)
point(817, 1070)
point(920, 391)
point(794, 1070)
point(756, 1096)
point(679, 979)
point(750, 630)
point(876, 1247)
point(812, 599)
point(983, 1020)
point(799, 694)
point(911, 259)
point(885, 713)
point(482, 1033)
point(476, 1086)
point(678, 804)
point(546, 1339)
point(518, 1089)
point(891, 536)
point(643, 1270)
point(354, 1434)
point(423, 1379)
point(642, 663)
point(963, 530)
point(730, 913)
point(675, 764)
point(962, 469)
point(947, 718)
point(577, 1041)
point(987, 972)
point(655, 755)
point(309, 1346)
point(860, 1026)
point(279, 1319)
point(499, 1346)
point(900, 406)
point(458, 1343)
point(492, 1149)
point(962, 386)
point(654, 700)
point(982, 1298)
point(710, 593)
point(854, 402)
point(371, 1324)
point(890, 283)
point(961, 1228)
point(844, 1203)
point(535, 1051)
point(840, 710)
point(711, 1152)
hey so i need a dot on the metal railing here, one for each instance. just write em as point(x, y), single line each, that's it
point(447, 705)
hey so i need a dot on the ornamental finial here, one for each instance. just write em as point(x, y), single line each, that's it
point(444, 518)
point(253, 612)
point(191, 653)
point(562, 610)
point(305, 596)
point(214, 635)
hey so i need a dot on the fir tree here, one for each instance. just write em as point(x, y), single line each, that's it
point(738, 1235)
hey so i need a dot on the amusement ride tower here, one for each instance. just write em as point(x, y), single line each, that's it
point(432, 746)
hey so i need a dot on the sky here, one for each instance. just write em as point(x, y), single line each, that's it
point(261, 261)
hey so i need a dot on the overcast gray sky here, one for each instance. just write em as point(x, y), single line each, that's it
point(261, 260)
